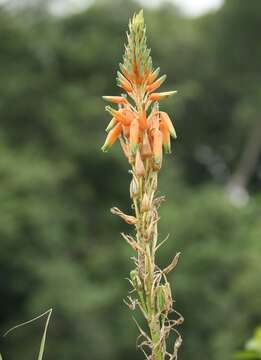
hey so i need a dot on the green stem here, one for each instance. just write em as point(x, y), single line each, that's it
point(147, 265)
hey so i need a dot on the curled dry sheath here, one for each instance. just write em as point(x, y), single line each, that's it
point(143, 130)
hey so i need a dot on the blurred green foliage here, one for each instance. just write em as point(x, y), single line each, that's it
point(60, 246)
point(253, 347)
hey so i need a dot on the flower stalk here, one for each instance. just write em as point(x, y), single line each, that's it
point(144, 131)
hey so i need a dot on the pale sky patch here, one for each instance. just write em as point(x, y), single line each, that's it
point(189, 7)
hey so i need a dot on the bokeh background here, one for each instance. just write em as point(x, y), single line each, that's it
point(59, 245)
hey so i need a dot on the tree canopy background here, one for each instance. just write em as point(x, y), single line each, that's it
point(60, 246)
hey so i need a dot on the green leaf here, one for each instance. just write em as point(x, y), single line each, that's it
point(42, 345)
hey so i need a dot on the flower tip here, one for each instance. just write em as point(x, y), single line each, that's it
point(167, 148)
point(111, 124)
point(140, 17)
point(115, 99)
point(157, 163)
point(104, 148)
point(161, 95)
point(173, 134)
point(169, 93)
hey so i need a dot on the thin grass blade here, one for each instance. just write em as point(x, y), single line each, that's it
point(42, 345)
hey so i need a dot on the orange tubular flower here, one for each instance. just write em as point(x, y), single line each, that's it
point(157, 149)
point(120, 115)
point(126, 131)
point(111, 124)
point(153, 75)
point(164, 117)
point(134, 136)
point(126, 86)
point(165, 137)
point(161, 96)
point(156, 84)
point(125, 72)
point(128, 114)
point(115, 99)
point(154, 122)
point(112, 137)
point(143, 120)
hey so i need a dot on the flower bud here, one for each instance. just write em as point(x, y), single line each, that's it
point(136, 280)
point(115, 99)
point(167, 296)
point(154, 183)
point(145, 203)
point(153, 76)
point(150, 232)
point(157, 149)
point(163, 298)
point(156, 84)
point(160, 299)
point(129, 219)
point(134, 188)
point(146, 150)
point(139, 166)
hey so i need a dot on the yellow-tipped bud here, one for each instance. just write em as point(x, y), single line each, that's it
point(111, 124)
point(112, 137)
point(161, 96)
